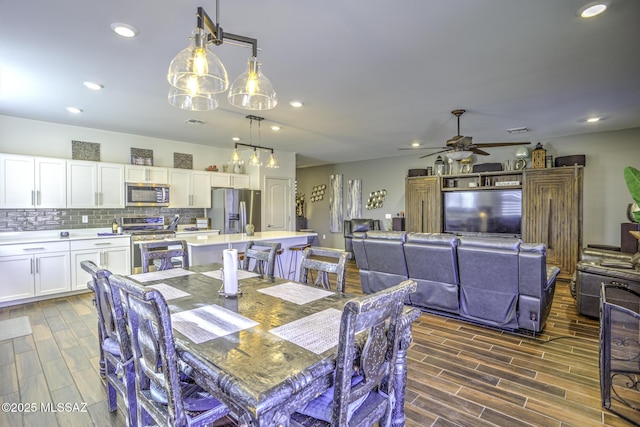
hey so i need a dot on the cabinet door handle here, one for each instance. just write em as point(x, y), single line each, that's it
point(102, 243)
point(31, 265)
point(33, 197)
point(106, 259)
point(95, 198)
point(38, 198)
point(37, 265)
point(101, 260)
point(33, 249)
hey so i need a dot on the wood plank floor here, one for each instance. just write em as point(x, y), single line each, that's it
point(458, 373)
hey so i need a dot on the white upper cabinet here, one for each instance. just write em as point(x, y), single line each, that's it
point(32, 182)
point(230, 180)
point(146, 174)
point(189, 188)
point(95, 184)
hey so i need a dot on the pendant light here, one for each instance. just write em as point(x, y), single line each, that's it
point(196, 73)
point(254, 160)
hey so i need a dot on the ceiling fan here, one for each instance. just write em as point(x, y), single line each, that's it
point(464, 144)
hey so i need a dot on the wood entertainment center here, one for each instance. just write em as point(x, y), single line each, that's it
point(551, 206)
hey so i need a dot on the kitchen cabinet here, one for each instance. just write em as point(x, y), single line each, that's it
point(32, 182)
point(95, 184)
point(146, 174)
point(230, 180)
point(423, 204)
point(552, 214)
point(34, 269)
point(111, 254)
point(189, 188)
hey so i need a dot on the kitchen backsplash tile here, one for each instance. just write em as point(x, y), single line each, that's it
point(58, 219)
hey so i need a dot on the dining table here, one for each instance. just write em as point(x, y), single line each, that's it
point(268, 350)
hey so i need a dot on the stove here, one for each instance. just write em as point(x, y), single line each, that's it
point(144, 229)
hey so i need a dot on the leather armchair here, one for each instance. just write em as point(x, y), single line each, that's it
point(357, 225)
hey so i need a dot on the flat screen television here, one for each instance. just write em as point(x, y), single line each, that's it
point(497, 212)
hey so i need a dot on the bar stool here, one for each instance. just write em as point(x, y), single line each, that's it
point(296, 250)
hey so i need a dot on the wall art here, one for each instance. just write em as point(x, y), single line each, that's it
point(335, 204)
point(354, 199)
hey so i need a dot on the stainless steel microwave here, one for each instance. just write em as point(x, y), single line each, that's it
point(147, 194)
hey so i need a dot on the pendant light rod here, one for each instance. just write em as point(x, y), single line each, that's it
point(217, 35)
point(258, 119)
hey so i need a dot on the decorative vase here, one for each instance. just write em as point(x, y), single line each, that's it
point(633, 212)
point(249, 228)
point(236, 168)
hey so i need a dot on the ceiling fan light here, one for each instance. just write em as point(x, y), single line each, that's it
point(592, 9)
point(252, 90)
point(459, 155)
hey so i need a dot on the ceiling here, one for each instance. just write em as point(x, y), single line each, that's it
point(374, 76)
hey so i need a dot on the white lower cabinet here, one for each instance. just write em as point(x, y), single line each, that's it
point(34, 269)
point(111, 254)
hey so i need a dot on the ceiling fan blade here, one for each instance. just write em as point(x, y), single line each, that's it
point(500, 144)
point(478, 151)
point(420, 148)
point(433, 154)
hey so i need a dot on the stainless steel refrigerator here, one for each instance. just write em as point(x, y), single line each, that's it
point(232, 209)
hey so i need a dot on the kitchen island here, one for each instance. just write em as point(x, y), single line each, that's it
point(208, 248)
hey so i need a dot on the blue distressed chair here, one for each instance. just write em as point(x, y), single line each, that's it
point(362, 392)
point(332, 261)
point(260, 257)
point(166, 395)
point(165, 254)
point(116, 363)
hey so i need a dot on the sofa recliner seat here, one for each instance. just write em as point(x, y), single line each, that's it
point(357, 225)
point(499, 282)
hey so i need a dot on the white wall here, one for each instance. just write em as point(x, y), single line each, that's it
point(605, 192)
point(36, 138)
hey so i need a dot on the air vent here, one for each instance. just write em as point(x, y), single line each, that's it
point(194, 122)
point(518, 130)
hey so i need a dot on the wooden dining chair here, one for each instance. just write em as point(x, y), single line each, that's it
point(331, 261)
point(166, 394)
point(115, 347)
point(165, 254)
point(362, 392)
point(260, 257)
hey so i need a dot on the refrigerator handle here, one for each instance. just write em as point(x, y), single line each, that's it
point(243, 217)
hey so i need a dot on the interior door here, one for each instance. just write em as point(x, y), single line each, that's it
point(277, 204)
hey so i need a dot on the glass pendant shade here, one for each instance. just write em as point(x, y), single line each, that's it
point(251, 90)
point(272, 163)
point(184, 101)
point(196, 70)
point(254, 160)
point(236, 159)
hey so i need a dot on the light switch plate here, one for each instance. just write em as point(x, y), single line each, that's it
point(387, 216)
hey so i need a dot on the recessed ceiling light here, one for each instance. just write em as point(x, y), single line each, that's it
point(235, 138)
point(593, 119)
point(124, 30)
point(296, 104)
point(415, 144)
point(74, 110)
point(93, 86)
point(592, 9)
point(275, 128)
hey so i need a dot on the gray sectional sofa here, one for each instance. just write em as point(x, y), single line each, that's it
point(500, 282)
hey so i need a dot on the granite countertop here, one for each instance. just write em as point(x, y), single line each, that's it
point(223, 239)
point(17, 237)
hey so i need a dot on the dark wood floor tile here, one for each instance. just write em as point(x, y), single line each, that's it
point(101, 416)
point(27, 365)
point(41, 331)
point(458, 365)
point(57, 374)
point(432, 392)
point(500, 419)
point(74, 411)
point(423, 383)
point(10, 417)
point(57, 323)
point(451, 409)
point(76, 359)
point(48, 350)
point(90, 386)
point(23, 344)
point(506, 397)
point(8, 380)
point(572, 382)
point(570, 414)
point(423, 368)
point(6, 352)
point(34, 389)
point(65, 338)
point(418, 417)
point(539, 364)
